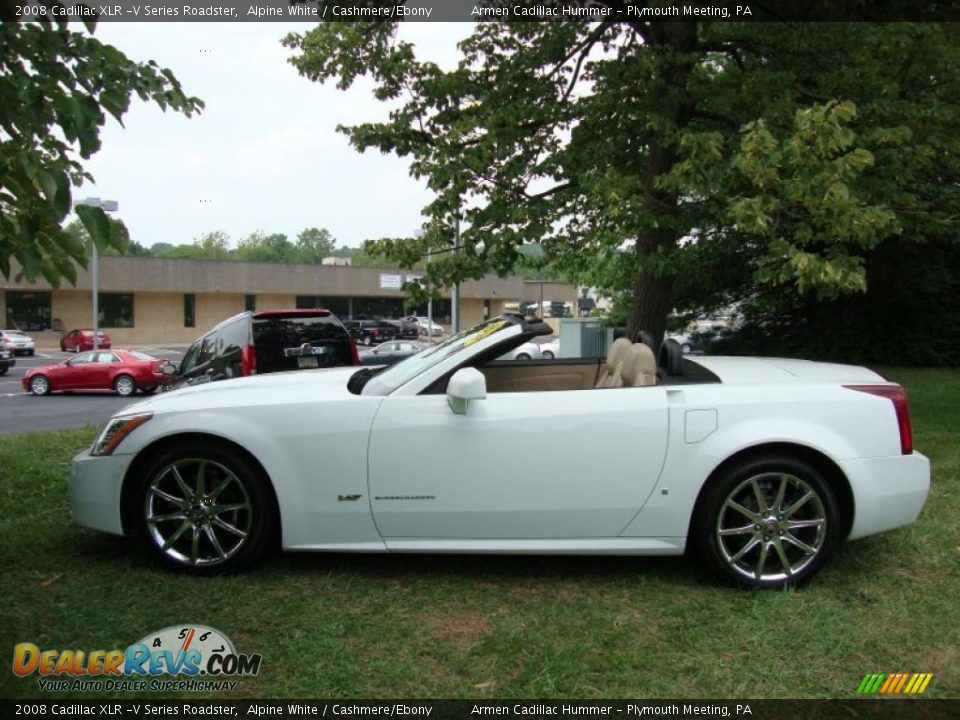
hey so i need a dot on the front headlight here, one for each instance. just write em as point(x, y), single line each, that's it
point(115, 431)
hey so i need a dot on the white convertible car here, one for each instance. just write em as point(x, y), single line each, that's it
point(761, 465)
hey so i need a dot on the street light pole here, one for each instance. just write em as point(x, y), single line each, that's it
point(106, 206)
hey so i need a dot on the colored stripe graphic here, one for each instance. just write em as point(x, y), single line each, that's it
point(895, 683)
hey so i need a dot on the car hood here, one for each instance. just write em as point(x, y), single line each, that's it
point(764, 370)
point(273, 389)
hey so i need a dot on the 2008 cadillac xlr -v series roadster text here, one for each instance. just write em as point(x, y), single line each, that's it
point(761, 465)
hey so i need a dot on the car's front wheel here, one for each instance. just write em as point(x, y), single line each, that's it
point(767, 523)
point(124, 385)
point(202, 509)
point(39, 385)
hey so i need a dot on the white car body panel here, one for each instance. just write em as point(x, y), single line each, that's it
point(618, 470)
point(476, 491)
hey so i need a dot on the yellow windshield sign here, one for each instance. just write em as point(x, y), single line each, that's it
point(484, 332)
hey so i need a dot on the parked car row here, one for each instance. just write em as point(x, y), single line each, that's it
point(248, 343)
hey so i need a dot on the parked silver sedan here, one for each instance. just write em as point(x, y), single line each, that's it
point(527, 351)
point(17, 342)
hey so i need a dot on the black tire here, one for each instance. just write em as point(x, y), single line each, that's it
point(63, 348)
point(3, 370)
point(769, 532)
point(522, 356)
point(149, 390)
point(40, 385)
point(30, 353)
point(548, 355)
point(124, 386)
point(258, 518)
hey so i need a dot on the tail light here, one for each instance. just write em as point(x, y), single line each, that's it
point(898, 397)
point(354, 353)
point(248, 361)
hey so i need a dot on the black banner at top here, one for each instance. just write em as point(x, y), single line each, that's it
point(628, 11)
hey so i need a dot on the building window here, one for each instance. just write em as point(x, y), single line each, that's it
point(115, 310)
point(378, 307)
point(189, 310)
point(250, 303)
point(339, 306)
point(27, 310)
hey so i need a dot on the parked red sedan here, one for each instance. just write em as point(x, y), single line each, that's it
point(82, 339)
point(123, 371)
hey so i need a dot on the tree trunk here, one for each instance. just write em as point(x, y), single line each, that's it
point(652, 292)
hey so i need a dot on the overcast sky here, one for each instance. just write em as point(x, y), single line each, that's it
point(264, 154)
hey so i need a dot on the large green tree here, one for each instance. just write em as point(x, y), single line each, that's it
point(56, 84)
point(671, 162)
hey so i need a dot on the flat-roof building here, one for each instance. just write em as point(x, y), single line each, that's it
point(145, 300)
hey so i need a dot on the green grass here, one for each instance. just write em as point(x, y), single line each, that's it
point(371, 626)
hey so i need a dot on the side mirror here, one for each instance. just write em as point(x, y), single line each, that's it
point(169, 369)
point(466, 384)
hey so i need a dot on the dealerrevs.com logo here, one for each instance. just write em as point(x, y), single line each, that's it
point(204, 656)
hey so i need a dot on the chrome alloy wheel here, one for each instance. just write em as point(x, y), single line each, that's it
point(124, 385)
point(771, 527)
point(198, 512)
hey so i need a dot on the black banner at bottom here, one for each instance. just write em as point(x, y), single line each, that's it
point(906, 709)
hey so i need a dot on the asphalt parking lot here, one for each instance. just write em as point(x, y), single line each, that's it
point(23, 412)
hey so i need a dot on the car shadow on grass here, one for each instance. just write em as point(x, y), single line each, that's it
point(440, 568)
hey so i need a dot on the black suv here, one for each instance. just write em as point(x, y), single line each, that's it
point(265, 342)
point(372, 332)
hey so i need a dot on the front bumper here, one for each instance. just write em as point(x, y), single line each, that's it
point(95, 486)
point(888, 492)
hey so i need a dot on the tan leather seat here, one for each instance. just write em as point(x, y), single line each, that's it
point(639, 367)
point(615, 356)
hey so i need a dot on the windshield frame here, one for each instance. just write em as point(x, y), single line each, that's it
point(416, 373)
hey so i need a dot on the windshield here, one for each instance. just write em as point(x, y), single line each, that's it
point(393, 377)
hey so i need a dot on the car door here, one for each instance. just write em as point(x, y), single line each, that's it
point(547, 465)
point(72, 375)
point(105, 367)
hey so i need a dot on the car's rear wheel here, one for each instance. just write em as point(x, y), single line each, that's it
point(204, 510)
point(548, 354)
point(124, 385)
point(3, 370)
point(39, 385)
point(523, 356)
point(767, 523)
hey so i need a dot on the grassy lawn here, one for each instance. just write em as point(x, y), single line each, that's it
point(434, 627)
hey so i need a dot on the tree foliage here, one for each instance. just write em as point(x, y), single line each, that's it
point(56, 84)
point(673, 163)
